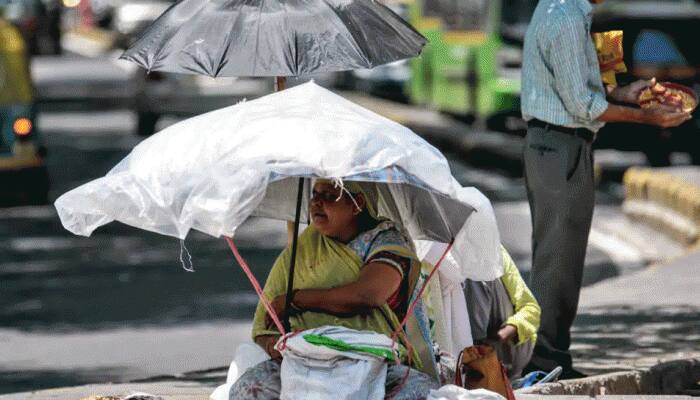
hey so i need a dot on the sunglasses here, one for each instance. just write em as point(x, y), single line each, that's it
point(326, 197)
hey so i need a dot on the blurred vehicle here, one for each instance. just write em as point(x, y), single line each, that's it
point(103, 83)
point(23, 174)
point(187, 95)
point(659, 41)
point(158, 94)
point(130, 18)
point(387, 81)
point(39, 21)
point(471, 68)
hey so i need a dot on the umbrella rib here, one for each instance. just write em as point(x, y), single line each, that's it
point(229, 42)
point(296, 43)
point(393, 28)
point(363, 53)
point(391, 14)
point(170, 39)
point(257, 39)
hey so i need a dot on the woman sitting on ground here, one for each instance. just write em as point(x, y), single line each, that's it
point(351, 270)
point(505, 314)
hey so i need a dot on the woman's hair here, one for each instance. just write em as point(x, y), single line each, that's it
point(365, 221)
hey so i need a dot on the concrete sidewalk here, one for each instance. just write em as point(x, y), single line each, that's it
point(638, 320)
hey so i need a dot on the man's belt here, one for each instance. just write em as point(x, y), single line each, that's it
point(583, 133)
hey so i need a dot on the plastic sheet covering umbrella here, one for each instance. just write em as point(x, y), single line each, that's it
point(274, 38)
point(211, 172)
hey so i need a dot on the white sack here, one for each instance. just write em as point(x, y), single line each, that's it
point(313, 372)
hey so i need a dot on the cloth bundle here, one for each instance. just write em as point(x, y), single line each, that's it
point(333, 362)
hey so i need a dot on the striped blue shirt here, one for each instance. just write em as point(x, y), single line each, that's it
point(561, 81)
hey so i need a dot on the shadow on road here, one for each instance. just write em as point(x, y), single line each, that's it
point(611, 339)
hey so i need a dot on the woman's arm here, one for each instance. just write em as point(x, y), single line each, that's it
point(377, 282)
point(526, 317)
point(275, 285)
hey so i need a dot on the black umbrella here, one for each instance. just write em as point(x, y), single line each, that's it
point(274, 37)
point(277, 38)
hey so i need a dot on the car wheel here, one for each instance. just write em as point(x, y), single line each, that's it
point(147, 123)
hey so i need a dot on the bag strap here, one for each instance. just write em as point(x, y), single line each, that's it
point(458, 370)
point(508, 387)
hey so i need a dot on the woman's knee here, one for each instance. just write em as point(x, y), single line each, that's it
point(261, 382)
point(417, 385)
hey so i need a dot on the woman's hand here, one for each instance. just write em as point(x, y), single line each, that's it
point(277, 304)
point(507, 333)
point(267, 342)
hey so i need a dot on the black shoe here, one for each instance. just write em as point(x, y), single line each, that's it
point(571, 373)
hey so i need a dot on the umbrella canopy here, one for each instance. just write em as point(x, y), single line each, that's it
point(274, 38)
point(213, 171)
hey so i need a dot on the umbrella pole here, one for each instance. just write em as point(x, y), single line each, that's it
point(290, 281)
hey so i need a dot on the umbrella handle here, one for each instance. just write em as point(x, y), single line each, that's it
point(295, 237)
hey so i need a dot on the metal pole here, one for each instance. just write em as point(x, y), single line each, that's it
point(290, 281)
point(292, 230)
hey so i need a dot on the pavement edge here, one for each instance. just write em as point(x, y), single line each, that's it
point(667, 199)
point(672, 377)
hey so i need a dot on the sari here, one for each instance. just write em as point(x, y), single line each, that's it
point(323, 262)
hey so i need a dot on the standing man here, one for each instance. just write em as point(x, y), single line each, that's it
point(564, 103)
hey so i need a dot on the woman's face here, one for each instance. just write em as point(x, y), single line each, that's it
point(333, 216)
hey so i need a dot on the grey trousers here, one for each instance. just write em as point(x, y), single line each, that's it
point(561, 192)
point(489, 307)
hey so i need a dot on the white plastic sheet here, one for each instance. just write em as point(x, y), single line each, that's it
point(475, 254)
point(452, 392)
point(247, 355)
point(213, 171)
